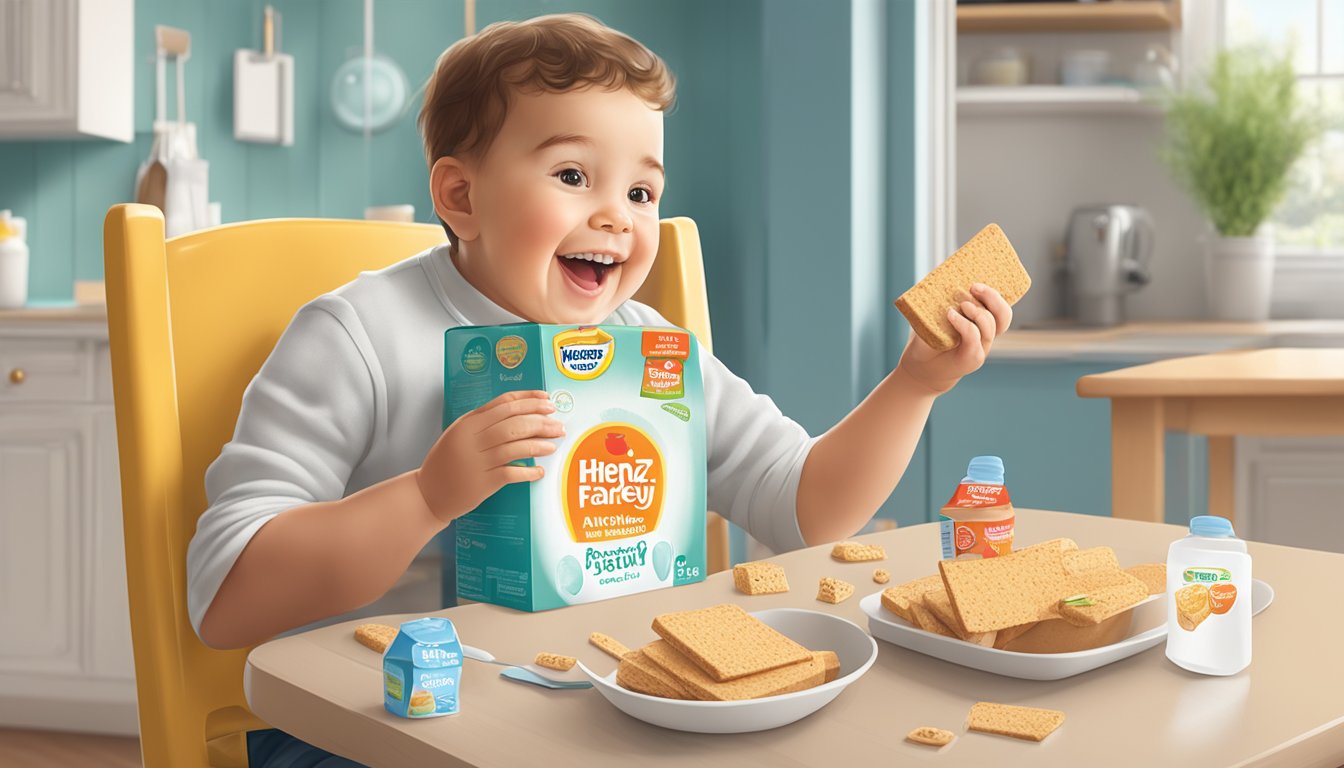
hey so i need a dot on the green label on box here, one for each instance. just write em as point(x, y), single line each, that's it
point(678, 410)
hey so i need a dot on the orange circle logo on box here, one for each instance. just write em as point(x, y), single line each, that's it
point(510, 351)
point(1221, 597)
point(613, 483)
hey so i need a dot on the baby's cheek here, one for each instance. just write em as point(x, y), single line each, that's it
point(539, 225)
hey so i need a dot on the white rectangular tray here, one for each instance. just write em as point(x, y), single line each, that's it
point(1149, 629)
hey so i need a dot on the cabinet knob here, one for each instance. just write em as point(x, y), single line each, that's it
point(17, 376)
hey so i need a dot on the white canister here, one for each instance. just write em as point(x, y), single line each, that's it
point(1209, 599)
point(13, 261)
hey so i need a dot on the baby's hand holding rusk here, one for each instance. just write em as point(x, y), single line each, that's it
point(957, 311)
point(473, 457)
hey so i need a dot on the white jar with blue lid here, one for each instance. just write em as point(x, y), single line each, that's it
point(1209, 599)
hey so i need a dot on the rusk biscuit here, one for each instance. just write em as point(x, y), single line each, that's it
point(1105, 601)
point(1005, 591)
point(834, 590)
point(727, 642)
point(609, 645)
point(897, 599)
point(1152, 574)
point(937, 601)
point(927, 620)
point(1091, 559)
point(934, 737)
point(760, 578)
point(1027, 723)
point(555, 661)
point(986, 258)
point(794, 677)
point(375, 636)
point(854, 552)
point(637, 673)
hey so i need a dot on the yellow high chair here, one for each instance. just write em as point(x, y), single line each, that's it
point(190, 321)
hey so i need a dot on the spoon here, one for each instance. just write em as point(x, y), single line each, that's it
point(523, 674)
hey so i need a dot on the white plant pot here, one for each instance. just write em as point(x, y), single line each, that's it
point(1239, 273)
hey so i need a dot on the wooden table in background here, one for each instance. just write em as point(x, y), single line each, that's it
point(1265, 392)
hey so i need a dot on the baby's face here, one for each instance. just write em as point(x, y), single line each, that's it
point(567, 204)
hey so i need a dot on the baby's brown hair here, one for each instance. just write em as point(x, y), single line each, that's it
point(467, 96)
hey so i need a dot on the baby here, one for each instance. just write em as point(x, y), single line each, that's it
point(545, 143)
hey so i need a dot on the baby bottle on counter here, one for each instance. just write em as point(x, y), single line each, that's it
point(13, 261)
point(978, 520)
point(1209, 599)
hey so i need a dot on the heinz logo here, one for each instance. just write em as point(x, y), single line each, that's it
point(612, 486)
point(583, 353)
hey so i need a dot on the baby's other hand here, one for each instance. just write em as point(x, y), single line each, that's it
point(979, 317)
point(470, 460)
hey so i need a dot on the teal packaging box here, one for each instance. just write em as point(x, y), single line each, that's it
point(621, 508)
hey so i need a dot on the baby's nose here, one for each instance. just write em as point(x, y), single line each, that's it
point(610, 220)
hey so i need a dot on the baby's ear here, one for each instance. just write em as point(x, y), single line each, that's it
point(450, 187)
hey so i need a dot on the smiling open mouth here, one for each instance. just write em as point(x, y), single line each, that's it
point(587, 270)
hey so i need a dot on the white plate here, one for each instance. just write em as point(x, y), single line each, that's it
point(1149, 629)
point(812, 629)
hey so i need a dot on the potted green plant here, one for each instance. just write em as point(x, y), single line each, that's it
point(1232, 143)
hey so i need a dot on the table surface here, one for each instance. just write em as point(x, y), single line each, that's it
point(1285, 709)
point(1256, 372)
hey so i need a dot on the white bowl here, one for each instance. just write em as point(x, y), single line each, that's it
point(812, 629)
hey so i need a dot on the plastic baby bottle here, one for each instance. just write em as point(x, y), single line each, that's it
point(977, 521)
point(1209, 599)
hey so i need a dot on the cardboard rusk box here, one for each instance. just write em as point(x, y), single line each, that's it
point(621, 507)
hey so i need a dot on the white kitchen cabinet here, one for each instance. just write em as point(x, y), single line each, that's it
point(67, 69)
point(65, 654)
point(1288, 491)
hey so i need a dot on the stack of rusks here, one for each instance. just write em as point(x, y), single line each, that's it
point(722, 653)
point(1050, 597)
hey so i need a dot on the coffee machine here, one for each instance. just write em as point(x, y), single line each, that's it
point(1107, 252)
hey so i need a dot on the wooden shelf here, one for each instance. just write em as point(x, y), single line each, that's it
point(1052, 99)
point(1101, 16)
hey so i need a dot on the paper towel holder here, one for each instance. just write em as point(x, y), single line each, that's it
point(263, 90)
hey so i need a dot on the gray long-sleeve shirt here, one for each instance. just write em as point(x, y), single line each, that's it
point(352, 395)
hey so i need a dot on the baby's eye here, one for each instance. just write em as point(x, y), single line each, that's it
point(641, 195)
point(573, 177)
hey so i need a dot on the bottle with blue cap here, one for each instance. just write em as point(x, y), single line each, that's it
point(977, 522)
point(1209, 599)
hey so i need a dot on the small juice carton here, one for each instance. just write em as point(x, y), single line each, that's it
point(621, 508)
point(422, 670)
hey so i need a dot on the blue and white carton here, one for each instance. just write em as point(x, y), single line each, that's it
point(422, 670)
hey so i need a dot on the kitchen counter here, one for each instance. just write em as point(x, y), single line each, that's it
point(65, 320)
point(1143, 342)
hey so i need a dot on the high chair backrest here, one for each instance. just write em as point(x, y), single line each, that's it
point(190, 321)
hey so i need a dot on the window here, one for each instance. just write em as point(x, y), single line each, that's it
point(1311, 218)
